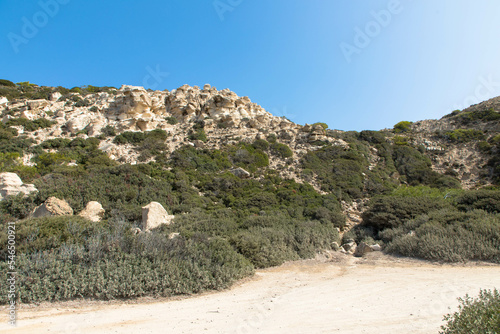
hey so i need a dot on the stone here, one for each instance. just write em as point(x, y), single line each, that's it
point(173, 235)
point(349, 247)
point(53, 207)
point(93, 211)
point(12, 185)
point(154, 215)
point(240, 172)
point(135, 230)
point(78, 123)
point(37, 104)
point(55, 96)
point(3, 100)
point(362, 249)
point(376, 248)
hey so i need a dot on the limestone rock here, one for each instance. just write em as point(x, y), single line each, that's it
point(376, 248)
point(93, 211)
point(37, 104)
point(11, 185)
point(78, 123)
point(53, 207)
point(349, 247)
point(154, 215)
point(362, 249)
point(55, 96)
point(3, 100)
point(240, 172)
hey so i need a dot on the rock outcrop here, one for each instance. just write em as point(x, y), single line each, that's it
point(93, 211)
point(53, 207)
point(154, 215)
point(12, 185)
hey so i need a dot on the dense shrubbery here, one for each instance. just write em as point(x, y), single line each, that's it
point(393, 211)
point(29, 125)
point(447, 235)
point(150, 143)
point(464, 135)
point(439, 225)
point(480, 315)
point(67, 257)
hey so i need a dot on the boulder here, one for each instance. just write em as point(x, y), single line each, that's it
point(362, 249)
point(53, 207)
point(37, 104)
point(376, 248)
point(78, 123)
point(349, 247)
point(55, 96)
point(93, 211)
point(3, 100)
point(154, 215)
point(240, 172)
point(11, 185)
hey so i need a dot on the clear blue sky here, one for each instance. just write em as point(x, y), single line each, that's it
point(428, 58)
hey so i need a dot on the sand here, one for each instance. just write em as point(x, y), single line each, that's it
point(343, 294)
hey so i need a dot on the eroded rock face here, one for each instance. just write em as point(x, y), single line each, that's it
point(154, 215)
point(93, 211)
point(53, 207)
point(12, 185)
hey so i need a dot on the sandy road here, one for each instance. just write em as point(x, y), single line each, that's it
point(377, 294)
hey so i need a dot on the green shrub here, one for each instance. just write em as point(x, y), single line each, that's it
point(447, 235)
point(464, 135)
point(323, 125)
point(281, 150)
point(171, 120)
point(198, 134)
point(130, 137)
point(108, 131)
point(475, 315)
point(28, 125)
point(390, 211)
point(403, 126)
point(487, 200)
point(261, 144)
point(7, 83)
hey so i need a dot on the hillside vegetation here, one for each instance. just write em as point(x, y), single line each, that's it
point(424, 201)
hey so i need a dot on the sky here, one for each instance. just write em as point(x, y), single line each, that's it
point(355, 65)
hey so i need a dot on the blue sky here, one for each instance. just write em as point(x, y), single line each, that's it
point(353, 64)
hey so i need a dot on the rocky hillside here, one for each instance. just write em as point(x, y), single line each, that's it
point(460, 144)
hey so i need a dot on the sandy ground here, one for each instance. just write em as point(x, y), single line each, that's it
point(376, 294)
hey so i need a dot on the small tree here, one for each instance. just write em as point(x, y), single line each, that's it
point(403, 126)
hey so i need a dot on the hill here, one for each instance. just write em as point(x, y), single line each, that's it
point(248, 189)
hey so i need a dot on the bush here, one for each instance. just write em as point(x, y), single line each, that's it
point(171, 120)
point(403, 126)
point(7, 83)
point(389, 212)
point(475, 315)
point(281, 150)
point(447, 235)
point(464, 135)
point(112, 263)
point(28, 125)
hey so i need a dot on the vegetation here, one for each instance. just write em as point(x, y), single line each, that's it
point(403, 126)
point(464, 135)
point(475, 315)
point(64, 258)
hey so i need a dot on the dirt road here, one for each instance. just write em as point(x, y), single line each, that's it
point(378, 294)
